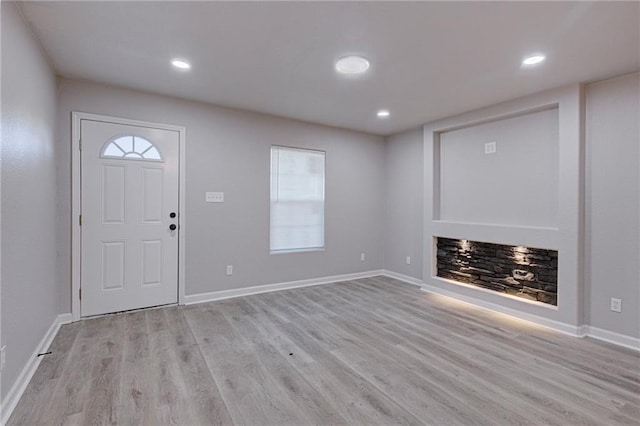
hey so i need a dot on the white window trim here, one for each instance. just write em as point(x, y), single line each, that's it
point(324, 174)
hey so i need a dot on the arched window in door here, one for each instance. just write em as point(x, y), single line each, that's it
point(130, 148)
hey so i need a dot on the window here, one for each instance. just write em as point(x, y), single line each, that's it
point(131, 148)
point(297, 199)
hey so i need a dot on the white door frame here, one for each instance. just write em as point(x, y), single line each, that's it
point(76, 230)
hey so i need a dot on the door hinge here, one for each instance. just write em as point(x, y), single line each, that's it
point(80, 294)
point(80, 144)
point(80, 219)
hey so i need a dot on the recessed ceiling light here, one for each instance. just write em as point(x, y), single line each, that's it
point(383, 113)
point(533, 59)
point(181, 64)
point(352, 65)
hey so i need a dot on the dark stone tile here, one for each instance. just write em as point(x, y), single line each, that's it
point(526, 272)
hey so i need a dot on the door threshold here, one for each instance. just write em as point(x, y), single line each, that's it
point(148, 308)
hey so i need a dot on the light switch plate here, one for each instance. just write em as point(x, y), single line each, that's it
point(214, 197)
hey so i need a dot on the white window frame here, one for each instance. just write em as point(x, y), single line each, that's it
point(271, 214)
point(125, 155)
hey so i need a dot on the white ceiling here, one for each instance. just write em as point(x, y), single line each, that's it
point(428, 59)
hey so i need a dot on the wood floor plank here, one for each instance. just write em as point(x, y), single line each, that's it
point(424, 398)
point(356, 396)
point(36, 397)
point(291, 382)
point(100, 406)
point(135, 374)
point(369, 351)
point(243, 381)
point(532, 395)
point(201, 389)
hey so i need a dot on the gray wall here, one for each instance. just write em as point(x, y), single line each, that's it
point(229, 151)
point(403, 200)
point(612, 200)
point(517, 185)
point(29, 194)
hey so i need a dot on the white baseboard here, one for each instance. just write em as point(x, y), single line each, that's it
point(15, 393)
point(561, 327)
point(612, 337)
point(246, 291)
point(581, 331)
point(402, 277)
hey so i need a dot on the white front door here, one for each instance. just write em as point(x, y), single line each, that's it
point(129, 207)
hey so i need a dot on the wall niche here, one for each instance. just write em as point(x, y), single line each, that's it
point(530, 273)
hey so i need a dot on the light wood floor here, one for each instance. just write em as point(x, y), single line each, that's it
point(370, 351)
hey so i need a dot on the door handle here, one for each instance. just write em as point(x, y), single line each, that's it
point(172, 215)
point(173, 227)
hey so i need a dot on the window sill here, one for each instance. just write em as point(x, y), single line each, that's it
point(289, 251)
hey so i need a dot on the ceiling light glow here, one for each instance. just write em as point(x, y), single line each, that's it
point(352, 65)
point(533, 60)
point(383, 113)
point(181, 64)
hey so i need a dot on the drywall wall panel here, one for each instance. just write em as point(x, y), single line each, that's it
point(229, 151)
point(29, 195)
point(403, 200)
point(515, 183)
point(613, 196)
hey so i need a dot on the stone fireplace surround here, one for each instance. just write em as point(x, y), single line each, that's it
point(530, 273)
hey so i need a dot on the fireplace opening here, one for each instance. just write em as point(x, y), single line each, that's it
point(530, 273)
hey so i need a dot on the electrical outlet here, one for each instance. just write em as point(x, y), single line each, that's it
point(408, 260)
point(616, 304)
point(490, 147)
point(229, 269)
point(3, 357)
point(362, 257)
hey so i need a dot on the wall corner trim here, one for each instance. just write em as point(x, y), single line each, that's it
point(246, 291)
point(20, 385)
point(583, 330)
